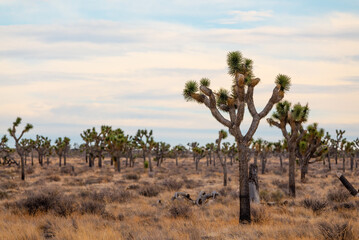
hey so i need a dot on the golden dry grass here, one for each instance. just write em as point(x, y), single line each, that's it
point(130, 215)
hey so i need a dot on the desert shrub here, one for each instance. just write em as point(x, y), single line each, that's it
point(280, 184)
point(133, 187)
point(277, 196)
point(172, 184)
point(145, 164)
point(336, 230)
point(54, 178)
point(3, 195)
point(47, 200)
point(316, 205)
point(225, 191)
point(48, 229)
point(42, 201)
point(132, 176)
point(109, 195)
point(68, 169)
point(180, 209)
point(264, 195)
point(65, 206)
point(338, 195)
point(92, 207)
point(346, 205)
point(149, 190)
point(258, 213)
point(8, 185)
point(29, 170)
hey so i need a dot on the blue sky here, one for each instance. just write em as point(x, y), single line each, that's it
point(70, 65)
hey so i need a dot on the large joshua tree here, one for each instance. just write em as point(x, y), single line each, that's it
point(294, 117)
point(233, 103)
point(19, 149)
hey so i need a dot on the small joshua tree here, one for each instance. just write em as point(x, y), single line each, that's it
point(6, 152)
point(336, 143)
point(178, 150)
point(233, 103)
point(222, 134)
point(19, 149)
point(294, 117)
point(311, 146)
point(115, 144)
point(145, 141)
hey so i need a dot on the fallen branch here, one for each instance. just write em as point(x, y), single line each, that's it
point(347, 184)
point(202, 198)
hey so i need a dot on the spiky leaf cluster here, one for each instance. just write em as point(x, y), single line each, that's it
point(283, 81)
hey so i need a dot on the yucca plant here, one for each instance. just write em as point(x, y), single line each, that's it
point(20, 149)
point(233, 102)
point(145, 141)
point(294, 116)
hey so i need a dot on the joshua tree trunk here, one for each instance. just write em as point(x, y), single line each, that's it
point(214, 160)
point(343, 162)
point(351, 162)
point(22, 167)
point(255, 158)
point(207, 160)
point(60, 158)
point(176, 160)
point(303, 171)
point(225, 174)
point(245, 210)
point(32, 157)
point(118, 162)
point(100, 160)
point(329, 164)
point(292, 171)
point(150, 162)
point(64, 159)
point(196, 161)
point(48, 160)
point(281, 161)
point(263, 164)
point(111, 161)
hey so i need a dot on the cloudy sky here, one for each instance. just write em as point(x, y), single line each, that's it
point(67, 65)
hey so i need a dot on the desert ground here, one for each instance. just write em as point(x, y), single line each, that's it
point(78, 202)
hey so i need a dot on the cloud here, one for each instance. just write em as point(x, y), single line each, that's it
point(131, 76)
point(246, 16)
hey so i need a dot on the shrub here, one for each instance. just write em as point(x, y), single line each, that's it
point(316, 205)
point(92, 207)
point(8, 185)
point(180, 209)
point(172, 184)
point(54, 178)
point(338, 195)
point(47, 200)
point(145, 164)
point(3, 195)
point(132, 176)
point(258, 213)
point(277, 196)
point(339, 230)
point(149, 190)
point(110, 195)
point(30, 170)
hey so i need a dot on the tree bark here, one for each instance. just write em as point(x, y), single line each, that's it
point(100, 161)
point(343, 163)
point(176, 160)
point(292, 171)
point(64, 159)
point(150, 162)
point(60, 158)
point(329, 164)
point(22, 168)
point(245, 205)
point(118, 161)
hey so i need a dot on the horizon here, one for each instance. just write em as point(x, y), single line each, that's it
point(69, 66)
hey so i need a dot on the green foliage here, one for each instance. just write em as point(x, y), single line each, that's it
point(205, 82)
point(300, 113)
point(282, 110)
point(222, 96)
point(234, 61)
point(223, 134)
point(145, 164)
point(191, 87)
point(283, 81)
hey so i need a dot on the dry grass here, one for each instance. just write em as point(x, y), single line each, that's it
point(76, 202)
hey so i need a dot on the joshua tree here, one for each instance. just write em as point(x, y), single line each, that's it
point(88, 136)
point(266, 150)
point(234, 103)
point(294, 117)
point(310, 146)
point(41, 145)
point(222, 134)
point(145, 141)
point(161, 149)
point(328, 142)
point(178, 150)
point(198, 153)
point(19, 149)
point(192, 146)
point(115, 143)
point(278, 151)
point(6, 152)
point(336, 143)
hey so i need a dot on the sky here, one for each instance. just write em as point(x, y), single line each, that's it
point(66, 66)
